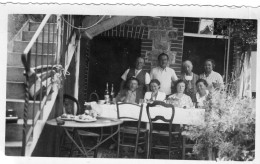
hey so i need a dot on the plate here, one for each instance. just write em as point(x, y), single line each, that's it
point(87, 120)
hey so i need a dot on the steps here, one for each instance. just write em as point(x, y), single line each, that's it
point(15, 90)
point(14, 59)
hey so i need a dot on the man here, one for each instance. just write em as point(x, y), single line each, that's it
point(190, 79)
point(138, 72)
point(164, 74)
point(131, 94)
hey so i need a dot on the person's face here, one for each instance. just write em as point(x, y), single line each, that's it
point(201, 87)
point(139, 63)
point(154, 87)
point(208, 66)
point(163, 61)
point(133, 85)
point(180, 87)
point(187, 68)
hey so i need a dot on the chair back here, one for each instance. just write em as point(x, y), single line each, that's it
point(68, 104)
point(158, 112)
point(93, 96)
point(129, 111)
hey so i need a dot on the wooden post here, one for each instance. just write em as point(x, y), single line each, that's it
point(77, 64)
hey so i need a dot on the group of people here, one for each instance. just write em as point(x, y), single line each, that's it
point(162, 84)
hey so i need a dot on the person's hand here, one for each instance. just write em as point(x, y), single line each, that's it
point(216, 85)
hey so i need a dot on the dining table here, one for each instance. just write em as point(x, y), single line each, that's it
point(100, 122)
point(184, 116)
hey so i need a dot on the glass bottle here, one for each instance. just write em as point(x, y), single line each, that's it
point(106, 95)
point(112, 93)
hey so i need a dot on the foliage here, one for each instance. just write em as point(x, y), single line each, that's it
point(229, 127)
point(243, 32)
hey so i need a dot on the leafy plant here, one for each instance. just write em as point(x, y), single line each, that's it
point(229, 128)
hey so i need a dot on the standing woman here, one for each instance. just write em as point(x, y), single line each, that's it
point(214, 79)
point(190, 79)
point(155, 94)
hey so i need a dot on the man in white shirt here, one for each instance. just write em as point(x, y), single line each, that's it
point(139, 73)
point(164, 74)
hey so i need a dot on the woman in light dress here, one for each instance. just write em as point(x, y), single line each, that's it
point(179, 98)
point(202, 94)
point(155, 94)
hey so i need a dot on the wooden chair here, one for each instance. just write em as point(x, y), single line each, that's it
point(155, 115)
point(131, 131)
point(82, 133)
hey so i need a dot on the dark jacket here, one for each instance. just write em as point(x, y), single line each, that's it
point(123, 93)
point(140, 77)
point(192, 89)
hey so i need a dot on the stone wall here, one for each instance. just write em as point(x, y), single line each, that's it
point(164, 34)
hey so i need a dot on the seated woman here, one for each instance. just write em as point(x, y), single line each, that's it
point(179, 99)
point(202, 94)
point(155, 94)
point(131, 94)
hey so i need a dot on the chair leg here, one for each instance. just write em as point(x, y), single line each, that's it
point(147, 145)
point(118, 142)
point(183, 147)
point(150, 146)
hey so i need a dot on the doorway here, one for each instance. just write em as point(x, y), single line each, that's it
point(109, 58)
point(198, 49)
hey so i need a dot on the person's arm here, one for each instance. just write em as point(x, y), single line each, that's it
point(147, 82)
point(123, 77)
point(122, 84)
point(120, 96)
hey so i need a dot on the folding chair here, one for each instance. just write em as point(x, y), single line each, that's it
point(160, 112)
point(131, 134)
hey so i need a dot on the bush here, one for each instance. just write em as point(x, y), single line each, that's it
point(229, 128)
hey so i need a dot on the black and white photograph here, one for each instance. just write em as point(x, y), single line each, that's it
point(160, 83)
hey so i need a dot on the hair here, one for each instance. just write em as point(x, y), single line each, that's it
point(186, 62)
point(163, 54)
point(155, 81)
point(132, 78)
point(203, 81)
point(178, 82)
point(212, 61)
point(139, 58)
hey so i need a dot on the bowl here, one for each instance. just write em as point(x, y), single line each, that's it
point(101, 101)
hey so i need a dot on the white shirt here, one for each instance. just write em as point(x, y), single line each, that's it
point(188, 78)
point(165, 76)
point(147, 76)
point(160, 96)
point(212, 77)
point(200, 100)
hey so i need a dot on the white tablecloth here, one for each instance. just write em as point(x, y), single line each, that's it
point(182, 116)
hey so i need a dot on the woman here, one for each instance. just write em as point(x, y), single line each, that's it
point(190, 79)
point(180, 99)
point(203, 94)
point(214, 79)
point(155, 94)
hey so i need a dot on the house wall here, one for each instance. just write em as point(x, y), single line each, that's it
point(158, 35)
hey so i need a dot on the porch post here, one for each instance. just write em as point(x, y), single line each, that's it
point(77, 64)
point(228, 49)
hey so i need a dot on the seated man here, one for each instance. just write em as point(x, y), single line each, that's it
point(131, 94)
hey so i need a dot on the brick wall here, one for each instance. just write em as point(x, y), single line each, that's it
point(158, 35)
